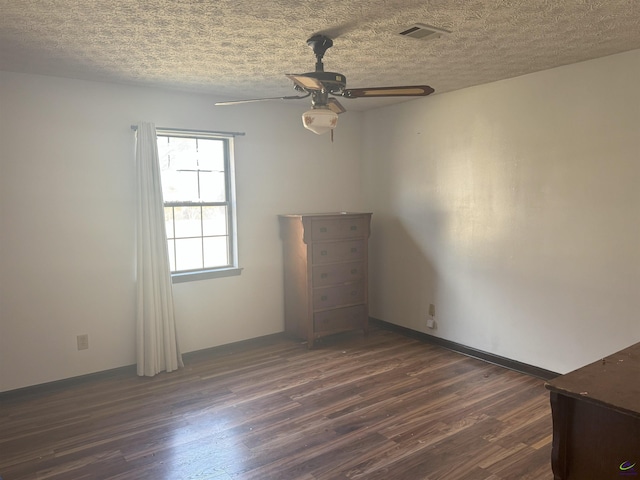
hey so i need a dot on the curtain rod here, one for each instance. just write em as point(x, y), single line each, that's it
point(207, 132)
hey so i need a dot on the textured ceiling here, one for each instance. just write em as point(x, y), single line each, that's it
point(241, 48)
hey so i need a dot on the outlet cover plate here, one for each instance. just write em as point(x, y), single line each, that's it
point(83, 342)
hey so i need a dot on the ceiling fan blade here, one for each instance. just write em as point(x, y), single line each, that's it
point(304, 82)
point(408, 91)
point(335, 106)
point(251, 100)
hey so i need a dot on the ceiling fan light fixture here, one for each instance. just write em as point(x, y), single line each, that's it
point(320, 120)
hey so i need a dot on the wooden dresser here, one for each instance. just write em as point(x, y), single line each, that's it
point(596, 419)
point(325, 273)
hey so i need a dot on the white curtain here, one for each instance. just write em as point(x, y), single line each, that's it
point(156, 340)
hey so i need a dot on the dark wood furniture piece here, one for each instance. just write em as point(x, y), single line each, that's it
point(596, 419)
point(325, 273)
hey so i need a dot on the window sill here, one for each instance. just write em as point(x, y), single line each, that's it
point(183, 277)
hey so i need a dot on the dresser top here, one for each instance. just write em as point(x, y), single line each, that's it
point(323, 214)
point(613, 381)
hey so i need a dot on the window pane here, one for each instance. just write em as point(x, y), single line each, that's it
point(183, 153)
point(168, 221)
point(180, 186)
point(212, 187)
point(172, 257)
point(188, 222)
point(214, 221)
point(211, 154)
point(216, 252)
point(163, 153)
point(188, 254)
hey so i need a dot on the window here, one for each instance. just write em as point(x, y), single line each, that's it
point(196, 171)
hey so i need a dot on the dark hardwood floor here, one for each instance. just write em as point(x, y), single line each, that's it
point(381, 407)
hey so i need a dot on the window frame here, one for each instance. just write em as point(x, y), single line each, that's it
point(181, 276)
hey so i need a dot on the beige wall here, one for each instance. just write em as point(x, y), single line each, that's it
point(67, 191)
point(514, 207)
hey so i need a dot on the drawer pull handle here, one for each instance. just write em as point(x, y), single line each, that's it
point(323, 275)
point(323, 229)
point(323, 298)
point(354, 271)
point(354, 227)
point(323, 253)
point(354, 250)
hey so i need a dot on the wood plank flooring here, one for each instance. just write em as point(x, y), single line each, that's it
point(381, 407)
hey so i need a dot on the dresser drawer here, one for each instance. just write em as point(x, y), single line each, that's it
point(329, 297)
point(329, 229)
point(336, 273)
point(340, 319)
point(328, 252)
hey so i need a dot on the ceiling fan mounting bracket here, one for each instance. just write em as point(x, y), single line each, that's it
point(319, 44)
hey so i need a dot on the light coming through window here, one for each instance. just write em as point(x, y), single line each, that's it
point(198, 191)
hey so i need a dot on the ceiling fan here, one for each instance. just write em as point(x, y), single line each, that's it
point(319, 85)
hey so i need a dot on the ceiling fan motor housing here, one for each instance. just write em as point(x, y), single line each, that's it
point(331, 81)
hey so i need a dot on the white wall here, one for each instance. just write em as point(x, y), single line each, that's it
point(514, 207)
point(66, 199)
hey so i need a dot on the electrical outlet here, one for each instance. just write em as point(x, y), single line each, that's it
point(83, 341)
point(431, 323)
